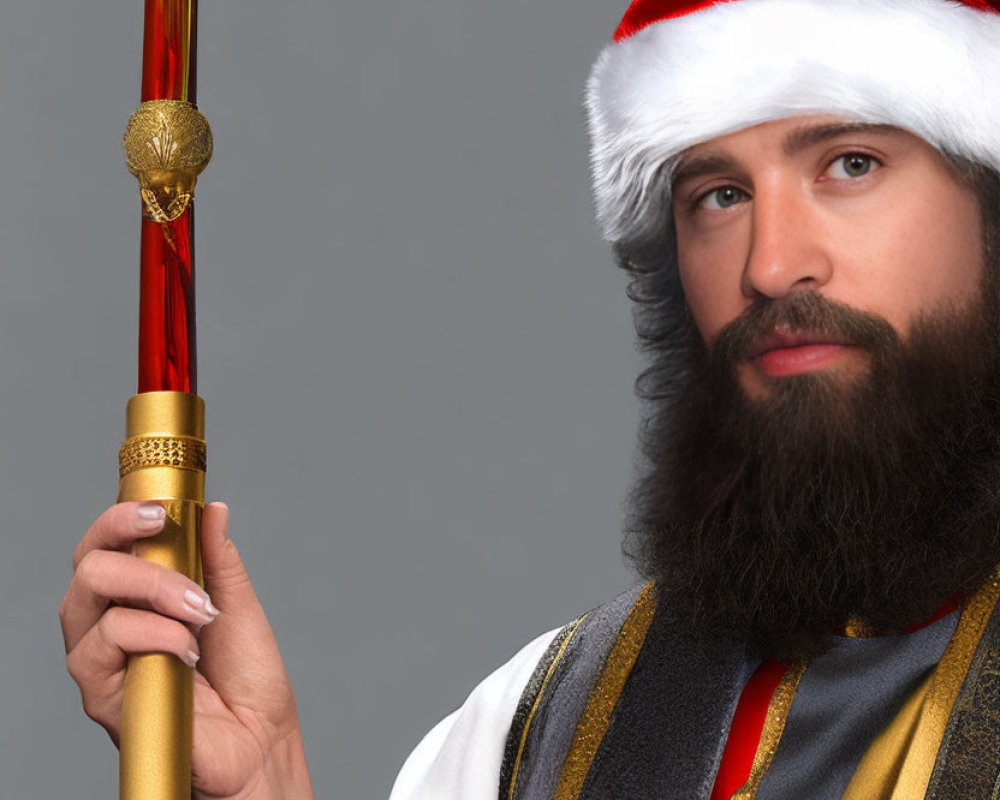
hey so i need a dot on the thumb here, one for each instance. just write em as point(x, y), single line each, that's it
point(240, 658)
point(226, 578)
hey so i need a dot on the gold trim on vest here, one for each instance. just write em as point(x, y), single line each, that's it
point(596, 716)
point(572, 628)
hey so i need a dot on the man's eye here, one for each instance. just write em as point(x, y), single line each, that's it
point(723, 197)
point(851, 165)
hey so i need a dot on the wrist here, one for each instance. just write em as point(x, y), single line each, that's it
point(284, 775)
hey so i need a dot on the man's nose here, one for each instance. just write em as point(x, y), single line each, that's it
point(788, 250)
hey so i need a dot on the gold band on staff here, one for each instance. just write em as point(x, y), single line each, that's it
point(162, 459)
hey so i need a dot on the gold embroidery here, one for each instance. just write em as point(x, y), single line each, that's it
point(596, 716)
point(859, 629)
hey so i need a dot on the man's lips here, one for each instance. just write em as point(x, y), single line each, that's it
point(783, 354)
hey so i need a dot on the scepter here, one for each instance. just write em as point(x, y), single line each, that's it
point(167, 144)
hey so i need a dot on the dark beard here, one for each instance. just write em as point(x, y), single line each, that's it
point(835, 498)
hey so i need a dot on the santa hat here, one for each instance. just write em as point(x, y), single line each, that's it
point(680, 72)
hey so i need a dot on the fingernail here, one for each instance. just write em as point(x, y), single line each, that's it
point(200, 605)
point(151, 516)
point(225, 530)
point(190, 658)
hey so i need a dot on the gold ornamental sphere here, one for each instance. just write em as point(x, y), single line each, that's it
point(167, 145)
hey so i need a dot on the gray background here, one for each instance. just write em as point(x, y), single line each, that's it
point(416, 355)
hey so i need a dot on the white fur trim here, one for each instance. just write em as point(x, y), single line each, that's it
point(929, 66)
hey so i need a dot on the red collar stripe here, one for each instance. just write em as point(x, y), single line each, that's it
point(746, 729)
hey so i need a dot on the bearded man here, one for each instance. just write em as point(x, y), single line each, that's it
point(806, 197)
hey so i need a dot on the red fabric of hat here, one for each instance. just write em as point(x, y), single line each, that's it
point(643, 13)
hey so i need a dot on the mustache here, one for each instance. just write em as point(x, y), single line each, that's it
point(806, 312)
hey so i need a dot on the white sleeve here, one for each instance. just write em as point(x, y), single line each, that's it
point(460, 758)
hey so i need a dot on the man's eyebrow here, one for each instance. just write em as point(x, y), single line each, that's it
point(802, 138)
point(694, 166)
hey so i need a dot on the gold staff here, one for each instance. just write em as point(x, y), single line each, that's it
point(167, 144)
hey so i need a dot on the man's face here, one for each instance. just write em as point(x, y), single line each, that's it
point(868, 216)
point(834, 451)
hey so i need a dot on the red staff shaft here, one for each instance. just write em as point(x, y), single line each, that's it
point(167, 356)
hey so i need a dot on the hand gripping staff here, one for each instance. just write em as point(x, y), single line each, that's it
point(167, 144)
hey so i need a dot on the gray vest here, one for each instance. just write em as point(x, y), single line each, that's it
point(667, 728)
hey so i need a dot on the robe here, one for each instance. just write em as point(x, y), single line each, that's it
point(624, 704)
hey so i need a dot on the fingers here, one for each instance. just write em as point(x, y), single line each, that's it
point(118, 605)
point(98, 661)
point(119, 526)
point(105, 577)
